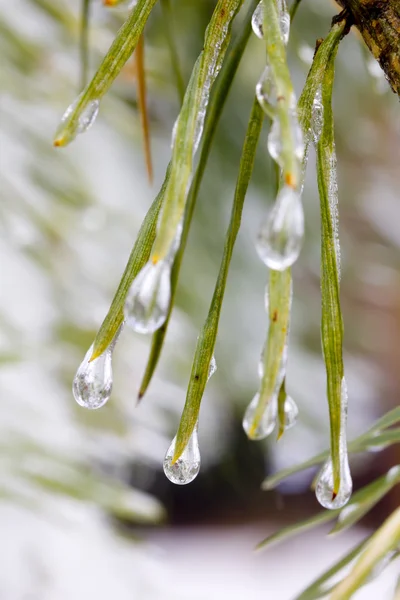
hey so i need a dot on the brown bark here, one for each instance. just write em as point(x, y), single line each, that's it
point(379, 24)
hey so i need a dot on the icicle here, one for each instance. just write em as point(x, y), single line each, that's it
point(85, 121)
point(324, 490)
point(280, 238)
point(148, 300)
point(187, 467)
point(93, 381)
point(266, 424)
point(284, 20)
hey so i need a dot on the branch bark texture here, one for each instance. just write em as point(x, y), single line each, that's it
point(379, 24)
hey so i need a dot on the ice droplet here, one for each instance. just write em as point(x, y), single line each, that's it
point(267, 423)
point(84, 122)
point(148, 300)
point(266, 92)
point(257, 20)
point(275, 140)
point(291, 412)
point(212, 368)
point(326, 495)
point(280, 238)
point(284, 20)
point(317, 116)
point(93, 381)
point(187, 467)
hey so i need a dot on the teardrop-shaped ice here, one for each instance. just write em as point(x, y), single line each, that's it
point(267, 423)
point(275, 141)
point(93, 381)
point(257, 20)
point(280, 238)
point(66, 132)
point(212, 367)
point(266, 92)
point(284, 20)
point(324, 488)
point(291, 412)
point(187, 467)
point(148, 300)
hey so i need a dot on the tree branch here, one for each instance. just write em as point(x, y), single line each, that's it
point(379, 24)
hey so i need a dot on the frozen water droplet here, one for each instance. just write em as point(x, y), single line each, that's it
point(84, 122)
point(267, 423)
point(393, 474)
point(280, 238)
point(284, 20)
point(275, 141)
point(291, 412)
point(212, 368)
point(187, 467)
point(93, 381)
point(266, 92)
point(257, 20)
point(88, 116)
point(324, 490)
point(317, 116)
point(148, 300)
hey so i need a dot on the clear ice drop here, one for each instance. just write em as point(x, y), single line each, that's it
point(291, 412)
point(324, 488)
point(148, 300)
point(187, 467)
point(275, 141)
point(212, 368)
point(284, 20)
point(85, 121)
point(266, 92)
point(93, 381)
point(280, 238)
point(257, 20)
point(267, 422)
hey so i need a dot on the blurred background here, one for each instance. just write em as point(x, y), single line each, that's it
point(85, 509)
